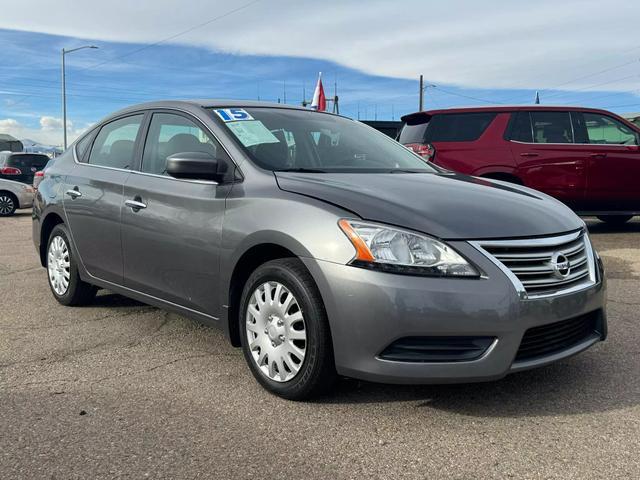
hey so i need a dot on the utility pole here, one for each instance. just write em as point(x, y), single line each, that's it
point(64, 104)
point(421, 102)
point(336, 107)
point(284, 91)
point(64, 91)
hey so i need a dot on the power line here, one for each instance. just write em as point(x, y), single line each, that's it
point(172, 37)
point(164, 40)
point(478, 99)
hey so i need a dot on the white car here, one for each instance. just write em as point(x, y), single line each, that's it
point(14, 195)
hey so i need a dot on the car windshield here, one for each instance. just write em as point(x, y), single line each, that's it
point(281, 139)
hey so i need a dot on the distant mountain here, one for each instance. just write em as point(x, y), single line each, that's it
point(35, 147)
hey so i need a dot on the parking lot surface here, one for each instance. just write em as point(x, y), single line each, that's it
point(121, 389)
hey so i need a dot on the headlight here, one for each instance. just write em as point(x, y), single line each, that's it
point(400, 251)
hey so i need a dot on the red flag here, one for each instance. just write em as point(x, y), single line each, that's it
point(319, 101)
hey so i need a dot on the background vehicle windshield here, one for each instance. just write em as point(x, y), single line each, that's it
point(286, 139)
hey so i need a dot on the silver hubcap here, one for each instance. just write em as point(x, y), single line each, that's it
point(6, 205)
point(58, 265)
point(276, 331)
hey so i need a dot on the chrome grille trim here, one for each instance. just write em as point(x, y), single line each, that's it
point(528, 263)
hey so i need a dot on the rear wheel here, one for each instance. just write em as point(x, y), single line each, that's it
point(284, 331)
point(62, 271)
point(8, 204)
point(615, 219)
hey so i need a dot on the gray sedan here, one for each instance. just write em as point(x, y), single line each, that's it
point(14, 195)
point(320, 246)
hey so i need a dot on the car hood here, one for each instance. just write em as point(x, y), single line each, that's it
point(448, 206)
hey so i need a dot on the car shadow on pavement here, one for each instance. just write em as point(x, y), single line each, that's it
point(107, 299)
point(597, 227)
point(574, 387)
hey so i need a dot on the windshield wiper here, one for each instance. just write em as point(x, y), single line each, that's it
point(407, 170)
point(301, 170)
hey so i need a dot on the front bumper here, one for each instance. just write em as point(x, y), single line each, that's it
point(369, 310)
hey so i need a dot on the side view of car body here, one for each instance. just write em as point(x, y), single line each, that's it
point(14, 195)
point(587, 158)
point(319, 245)
point(20, 166)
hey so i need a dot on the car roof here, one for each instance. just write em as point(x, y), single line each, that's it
point(500, 108)
point(207, 103)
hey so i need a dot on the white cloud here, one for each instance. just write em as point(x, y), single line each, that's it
point(49, 133)
point(488, 44)
point(52, 123)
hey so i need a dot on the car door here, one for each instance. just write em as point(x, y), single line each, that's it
point(93, 196)
point(613, 162)
point(548, 159)
point(171, 228)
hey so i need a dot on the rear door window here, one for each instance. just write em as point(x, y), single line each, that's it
point(458, 127)
point(551, 127)
point(114, 145)
point(520, 129)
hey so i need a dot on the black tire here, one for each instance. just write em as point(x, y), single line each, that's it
point(8, 204)
point(615, 219)
point(317, 372)
point(78, 292)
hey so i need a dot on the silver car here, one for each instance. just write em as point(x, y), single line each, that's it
point(14, 195)
point(320, 246)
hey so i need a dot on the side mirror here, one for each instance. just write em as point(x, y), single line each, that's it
point(195, 166)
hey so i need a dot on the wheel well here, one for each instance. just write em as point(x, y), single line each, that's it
point(250, 260)
point(11, 194)
point(50, 221)
point(505, 177)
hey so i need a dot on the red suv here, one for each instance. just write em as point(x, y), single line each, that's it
point(587, 158)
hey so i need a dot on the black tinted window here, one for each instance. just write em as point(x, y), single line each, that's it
point(169, 134)
point(27, 161)
point(551, 127)
point(458, 127)
point(115, 143)
point(521, 127)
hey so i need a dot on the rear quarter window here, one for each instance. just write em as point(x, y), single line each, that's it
point(458, 127)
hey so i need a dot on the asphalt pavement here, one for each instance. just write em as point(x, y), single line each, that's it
point(120, 389)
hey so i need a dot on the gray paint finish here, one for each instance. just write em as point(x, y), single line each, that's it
point(181, 250)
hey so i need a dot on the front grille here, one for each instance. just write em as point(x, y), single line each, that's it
point(537, 264)
point(556, 337)
point(437, 349)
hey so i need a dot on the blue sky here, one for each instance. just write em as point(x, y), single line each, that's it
point(375, 65)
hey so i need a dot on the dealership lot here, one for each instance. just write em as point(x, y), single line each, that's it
point(120, 388)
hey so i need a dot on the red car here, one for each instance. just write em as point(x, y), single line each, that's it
point(585, 157)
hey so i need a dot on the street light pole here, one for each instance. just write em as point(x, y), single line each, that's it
point(64, 91)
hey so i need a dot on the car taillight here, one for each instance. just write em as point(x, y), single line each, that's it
point(425, 150)
point(10, 171)
point(39, 174)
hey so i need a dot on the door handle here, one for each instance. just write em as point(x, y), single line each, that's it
point(529, 154)
point(74, 193)
point(598, 155)
point(135, 204)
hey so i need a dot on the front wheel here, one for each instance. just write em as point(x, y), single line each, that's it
point(284, 330)
point(615, 219)
point(62, 271)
